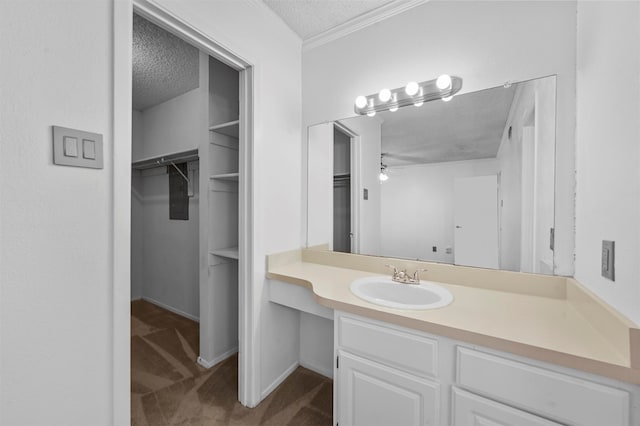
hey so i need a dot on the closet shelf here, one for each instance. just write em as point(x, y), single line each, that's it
point(226, 176)
point(165, 159)
point(230, 128)
point(229, 252)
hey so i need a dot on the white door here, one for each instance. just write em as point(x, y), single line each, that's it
point(320, 184)
point(475, 213)
point(371, 394)
point(472, 410)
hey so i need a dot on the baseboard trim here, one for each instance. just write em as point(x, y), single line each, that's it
point(208, 364)
point(326, 373)
point(265, 393)
point(171, 308)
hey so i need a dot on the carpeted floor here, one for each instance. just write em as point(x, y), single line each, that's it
point(168, 387)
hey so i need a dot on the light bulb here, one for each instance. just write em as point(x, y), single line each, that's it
point(393, 108)
point(411, 88)
point(419, 103)
point(383, 176)
point(384, 95)
point(361, 101)
point(447, 98)
point(443, 82)
point(371, 114)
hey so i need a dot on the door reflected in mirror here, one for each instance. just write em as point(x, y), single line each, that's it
point(469, 181)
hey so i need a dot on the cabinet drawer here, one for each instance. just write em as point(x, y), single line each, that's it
point(561, 397)
point(471, 409)
point(389, 345)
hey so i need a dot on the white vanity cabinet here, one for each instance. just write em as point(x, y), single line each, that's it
point(376, 394)
point(390, 375)
point(384, 375)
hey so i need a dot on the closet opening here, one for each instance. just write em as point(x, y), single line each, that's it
point(189, 185)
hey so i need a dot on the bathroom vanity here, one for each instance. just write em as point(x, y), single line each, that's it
point(511, 349)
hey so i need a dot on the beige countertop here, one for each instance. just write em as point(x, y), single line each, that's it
point(552, 319)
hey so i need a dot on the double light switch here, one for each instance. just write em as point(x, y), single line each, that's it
point(77, 148)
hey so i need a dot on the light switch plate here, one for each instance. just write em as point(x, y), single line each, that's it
point(62, 137)
point(608, 259)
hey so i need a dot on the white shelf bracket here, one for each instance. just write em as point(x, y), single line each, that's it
point(161, 163)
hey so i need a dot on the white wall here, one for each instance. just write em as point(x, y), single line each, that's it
point(608, 152)
point(57, 318)
point(55, 221)
point(485, 43)
point(316, 344)
point(170, 250)
point(171, 126)
point(417, 208)
point(164, 256)
point(253, 32)
point(545, 93)
point(533, 207)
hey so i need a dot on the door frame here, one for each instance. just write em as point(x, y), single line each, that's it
point(356, 183)
point(248, 361)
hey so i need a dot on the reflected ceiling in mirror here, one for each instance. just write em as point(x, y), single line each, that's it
point(467, 127)
point(471, 181)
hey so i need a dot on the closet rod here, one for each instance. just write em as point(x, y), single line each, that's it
point(161, 160)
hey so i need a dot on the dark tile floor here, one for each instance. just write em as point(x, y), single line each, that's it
point(168, 387)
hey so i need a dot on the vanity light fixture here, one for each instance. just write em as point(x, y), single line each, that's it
point(361, 102)
point(443, 82)
point(443, 87)
point(411, 88)
point(384, 95)
point(394, 103)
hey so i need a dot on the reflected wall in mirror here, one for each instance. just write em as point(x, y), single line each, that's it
point(470, 181)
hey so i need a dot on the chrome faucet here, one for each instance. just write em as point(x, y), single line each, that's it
point(402, 277)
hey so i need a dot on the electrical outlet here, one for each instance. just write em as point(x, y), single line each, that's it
point(365, 194)
point(608, 259)
point(434, 249)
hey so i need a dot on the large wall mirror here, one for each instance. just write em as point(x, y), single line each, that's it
point(466, 182)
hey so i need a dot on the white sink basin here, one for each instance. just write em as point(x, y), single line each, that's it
point(385, 292)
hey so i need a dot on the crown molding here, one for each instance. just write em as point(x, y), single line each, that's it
point(388, 10)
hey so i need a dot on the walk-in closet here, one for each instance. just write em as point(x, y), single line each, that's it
point(184, 209)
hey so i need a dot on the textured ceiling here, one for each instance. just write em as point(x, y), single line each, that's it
point(163, 65)
point(308, 18)
point(468, 127)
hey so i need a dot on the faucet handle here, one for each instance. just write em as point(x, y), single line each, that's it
point(416, 274)
point(395, 270)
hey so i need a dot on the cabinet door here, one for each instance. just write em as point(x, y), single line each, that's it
point(472, 410)
point(370, 394)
